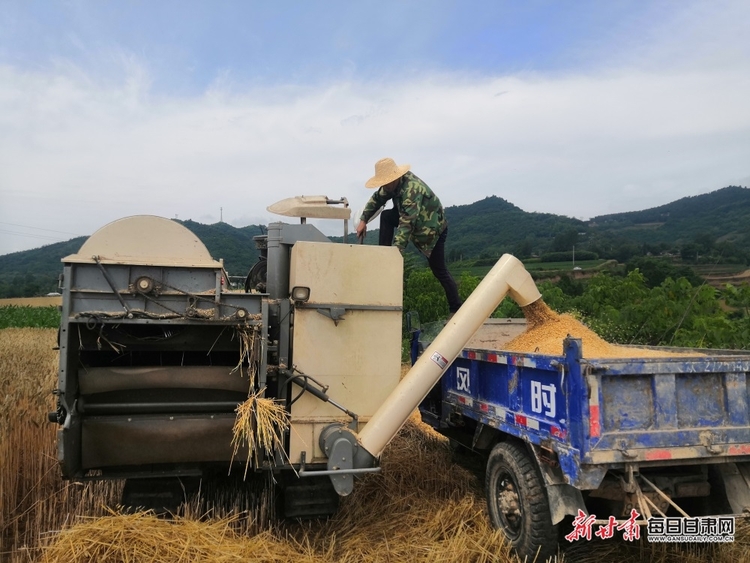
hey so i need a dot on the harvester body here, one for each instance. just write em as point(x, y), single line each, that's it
point(157, 351)
point(156, 354)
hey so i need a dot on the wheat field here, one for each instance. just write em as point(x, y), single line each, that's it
point(46, 301)
point(422, 507)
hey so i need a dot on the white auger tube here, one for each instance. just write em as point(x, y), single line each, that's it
point(508, 276)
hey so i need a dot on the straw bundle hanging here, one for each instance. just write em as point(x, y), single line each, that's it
point(261, 422)
point(259, 426)
point(250, 350)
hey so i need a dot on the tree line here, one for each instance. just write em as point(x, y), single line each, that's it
point(642, 306)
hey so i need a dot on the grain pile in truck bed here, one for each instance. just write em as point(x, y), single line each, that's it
point(546, 331)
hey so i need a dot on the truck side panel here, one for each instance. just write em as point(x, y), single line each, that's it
point(669, 408)
point(600, 413)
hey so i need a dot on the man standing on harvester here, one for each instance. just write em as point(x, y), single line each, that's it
point(416, 215)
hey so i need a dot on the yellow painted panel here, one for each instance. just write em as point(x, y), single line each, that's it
point(359, 359)
point(348, 273)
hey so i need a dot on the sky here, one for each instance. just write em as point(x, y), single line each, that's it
point(214, 110)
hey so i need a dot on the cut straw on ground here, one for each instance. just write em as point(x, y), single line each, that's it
point(424, 506)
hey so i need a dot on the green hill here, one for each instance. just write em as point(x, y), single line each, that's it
point(706, 229)
point(35, 272)
point(493, 226)
point(234, 245)
point(722, 214)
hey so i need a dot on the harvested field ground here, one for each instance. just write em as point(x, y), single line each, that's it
point(737, 278)
point(424, 506)
point(50, 301)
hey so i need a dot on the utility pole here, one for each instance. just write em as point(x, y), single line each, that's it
point(221, 214)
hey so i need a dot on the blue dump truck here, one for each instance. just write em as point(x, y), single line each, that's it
point(574, 442)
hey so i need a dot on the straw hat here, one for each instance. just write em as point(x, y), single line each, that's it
point(386, 170)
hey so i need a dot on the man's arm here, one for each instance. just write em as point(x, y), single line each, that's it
point(376, 201)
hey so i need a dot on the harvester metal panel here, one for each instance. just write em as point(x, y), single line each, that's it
point(150, 359)
point(145, 240)
point(357, 355)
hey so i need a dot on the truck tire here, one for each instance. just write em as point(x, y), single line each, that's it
point(518, 504)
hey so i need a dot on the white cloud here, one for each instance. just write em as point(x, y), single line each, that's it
point(76, 153)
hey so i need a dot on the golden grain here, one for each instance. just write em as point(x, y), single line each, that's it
point(546, 331)
point(48, 301)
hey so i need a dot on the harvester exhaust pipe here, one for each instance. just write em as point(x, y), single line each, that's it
point(508, 276)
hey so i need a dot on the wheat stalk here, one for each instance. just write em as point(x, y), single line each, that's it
point(250, 349)
point(260, 425)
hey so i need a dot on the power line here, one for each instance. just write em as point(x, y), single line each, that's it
point(39, 229)
point(29, 235)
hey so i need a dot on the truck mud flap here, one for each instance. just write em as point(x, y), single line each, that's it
point(736, 477)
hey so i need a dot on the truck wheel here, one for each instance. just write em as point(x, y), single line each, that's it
point(518, 504)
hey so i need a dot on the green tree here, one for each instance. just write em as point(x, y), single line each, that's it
point(656, 270)
point(569, 286)
point(523, 249)
point(565, 240)
point(689, 252)
point(705, 242)
point(424, 294)
point(625, 252)
point(467, 284)
point(738, 297)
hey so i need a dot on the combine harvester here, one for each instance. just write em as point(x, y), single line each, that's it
point(156, 354)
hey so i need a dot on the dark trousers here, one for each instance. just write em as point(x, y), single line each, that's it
point(389, 221)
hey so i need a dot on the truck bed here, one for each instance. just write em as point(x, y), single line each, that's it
point(595, 414)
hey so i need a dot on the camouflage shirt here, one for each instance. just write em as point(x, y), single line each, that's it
point(422, 218)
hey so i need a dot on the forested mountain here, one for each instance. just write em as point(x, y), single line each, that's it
point(34, 272)
point(493, 226)
point(716, 224)
point(730, 205)
point(721, 214)
point(713, 226)
point(234, 245)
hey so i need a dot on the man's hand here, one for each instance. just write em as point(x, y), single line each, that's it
point(361, 229)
